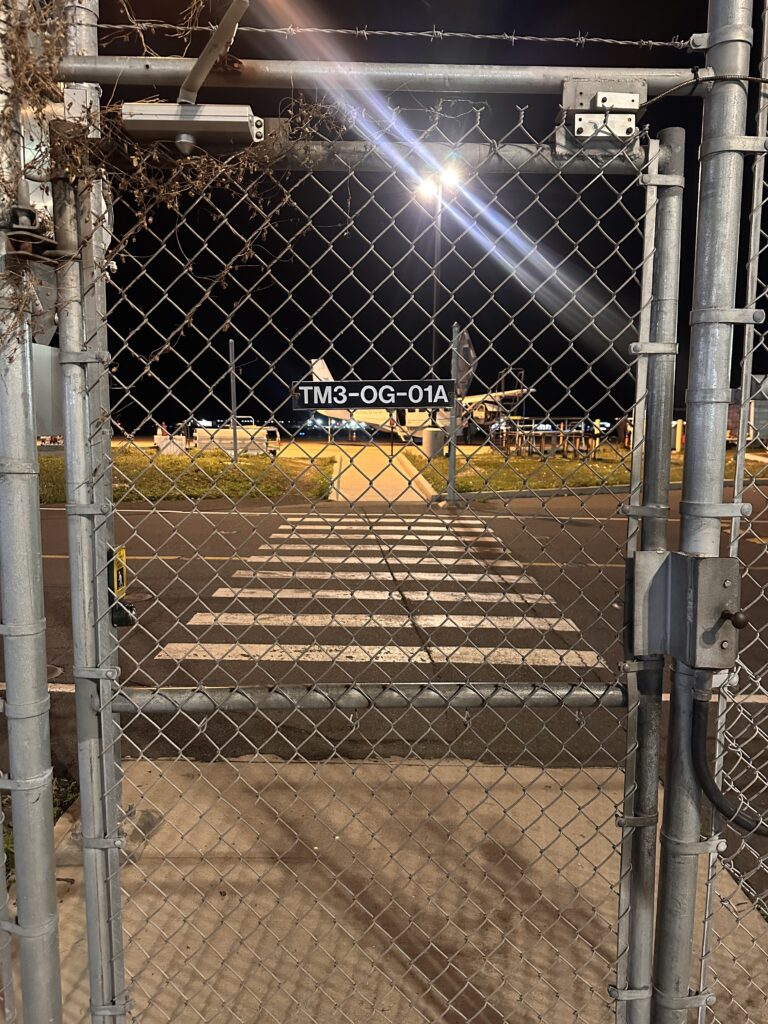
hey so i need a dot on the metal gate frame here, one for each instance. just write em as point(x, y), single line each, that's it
point(82, 312)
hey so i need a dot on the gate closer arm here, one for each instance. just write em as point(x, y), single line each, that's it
point(217, 45)
point(688, 607)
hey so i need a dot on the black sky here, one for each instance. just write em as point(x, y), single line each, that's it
point(591, 381)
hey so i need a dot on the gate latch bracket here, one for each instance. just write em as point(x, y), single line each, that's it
point(686, 607)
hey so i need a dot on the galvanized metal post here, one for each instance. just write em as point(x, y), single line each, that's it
point(452, 494)
point(100, 840)
point(82, 101)
point(712, 319)
point(656, 474)
point(26, 700)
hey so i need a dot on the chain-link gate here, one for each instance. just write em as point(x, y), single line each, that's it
point(369, 430)
point(349, 710)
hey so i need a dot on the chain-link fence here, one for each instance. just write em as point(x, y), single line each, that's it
point(370, 439)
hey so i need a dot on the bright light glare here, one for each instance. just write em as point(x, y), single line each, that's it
point(428, 188)
point(449, 177)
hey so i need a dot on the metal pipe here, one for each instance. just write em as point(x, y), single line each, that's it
point(221, 40)
point(366, 75)
point(88, 692)
point(715, 273)
point(656, 473)
point(26, 704)
point(82, 103)
point(451, 492)
point(8, 1012)
point(136, 700)
point(357, 156)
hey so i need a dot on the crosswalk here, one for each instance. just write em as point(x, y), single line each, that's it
point(385, 591)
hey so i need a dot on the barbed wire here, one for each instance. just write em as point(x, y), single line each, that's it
point(432, 35)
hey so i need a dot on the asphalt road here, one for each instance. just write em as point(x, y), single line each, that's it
point(399, 594)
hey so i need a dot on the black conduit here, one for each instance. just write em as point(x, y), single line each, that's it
point(722, 803)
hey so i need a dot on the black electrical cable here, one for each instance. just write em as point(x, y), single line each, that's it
point(722, 803)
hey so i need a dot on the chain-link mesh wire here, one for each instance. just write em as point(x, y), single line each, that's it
point(418, 821)
point(443, 855)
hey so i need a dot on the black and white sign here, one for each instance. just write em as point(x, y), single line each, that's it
point(374, 394)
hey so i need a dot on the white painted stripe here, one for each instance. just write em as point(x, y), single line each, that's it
point(316, 556)
point(433, 577)
point(374, 517)
point(375, 620)
point(374, 528)
point(376, 549)
point(288, 594)
point(429, 655)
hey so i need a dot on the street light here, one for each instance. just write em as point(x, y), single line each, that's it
point(433, 188)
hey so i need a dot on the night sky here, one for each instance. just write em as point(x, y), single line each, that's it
point(291, 297)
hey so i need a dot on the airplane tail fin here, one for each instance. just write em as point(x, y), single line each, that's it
point(320, 371)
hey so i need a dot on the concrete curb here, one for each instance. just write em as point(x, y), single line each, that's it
point(415, 477)
point(549, 492)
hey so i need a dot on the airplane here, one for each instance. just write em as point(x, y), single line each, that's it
point(411, 423)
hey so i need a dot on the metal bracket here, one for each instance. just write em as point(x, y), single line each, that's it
point(724, 34)
point(713, 396)
point(637, 820)
point(85, 356)
point(27, 708)
point(704, 847)
point(30, 931)
point(663, 180)
point(32, 628)
point(112, 674)
point(23, 785)
point(102, 842)
point(106, 508)
point(689, 1002)
point(627, 995)
point(652, 348)
point(645, 511)
point(727, 316)
point(715, 510)
point(18, 466)
point(679, 607)
point(734, 144)
point(112, 1010)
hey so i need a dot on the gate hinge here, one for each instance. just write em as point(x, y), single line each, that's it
point(625, 995)
point(727, 316)
point(663, 180)
point(700, 848)
point(686, 607)
point(117, 1009)
point(83, 356)
point(652, 348)
point(734, 144)
point(724, 34)
point(690, 1002)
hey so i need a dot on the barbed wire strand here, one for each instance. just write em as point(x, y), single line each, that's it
point(433, 35)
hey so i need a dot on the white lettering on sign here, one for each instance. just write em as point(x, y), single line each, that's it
point(370, 394)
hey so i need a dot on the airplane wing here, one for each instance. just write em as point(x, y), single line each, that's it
point(494, 396)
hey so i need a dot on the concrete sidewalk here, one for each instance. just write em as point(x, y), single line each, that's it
point(373, 473)
point(269, 892)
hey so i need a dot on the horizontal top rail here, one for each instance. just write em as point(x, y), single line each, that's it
point(356, 75)
point(485, 158)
